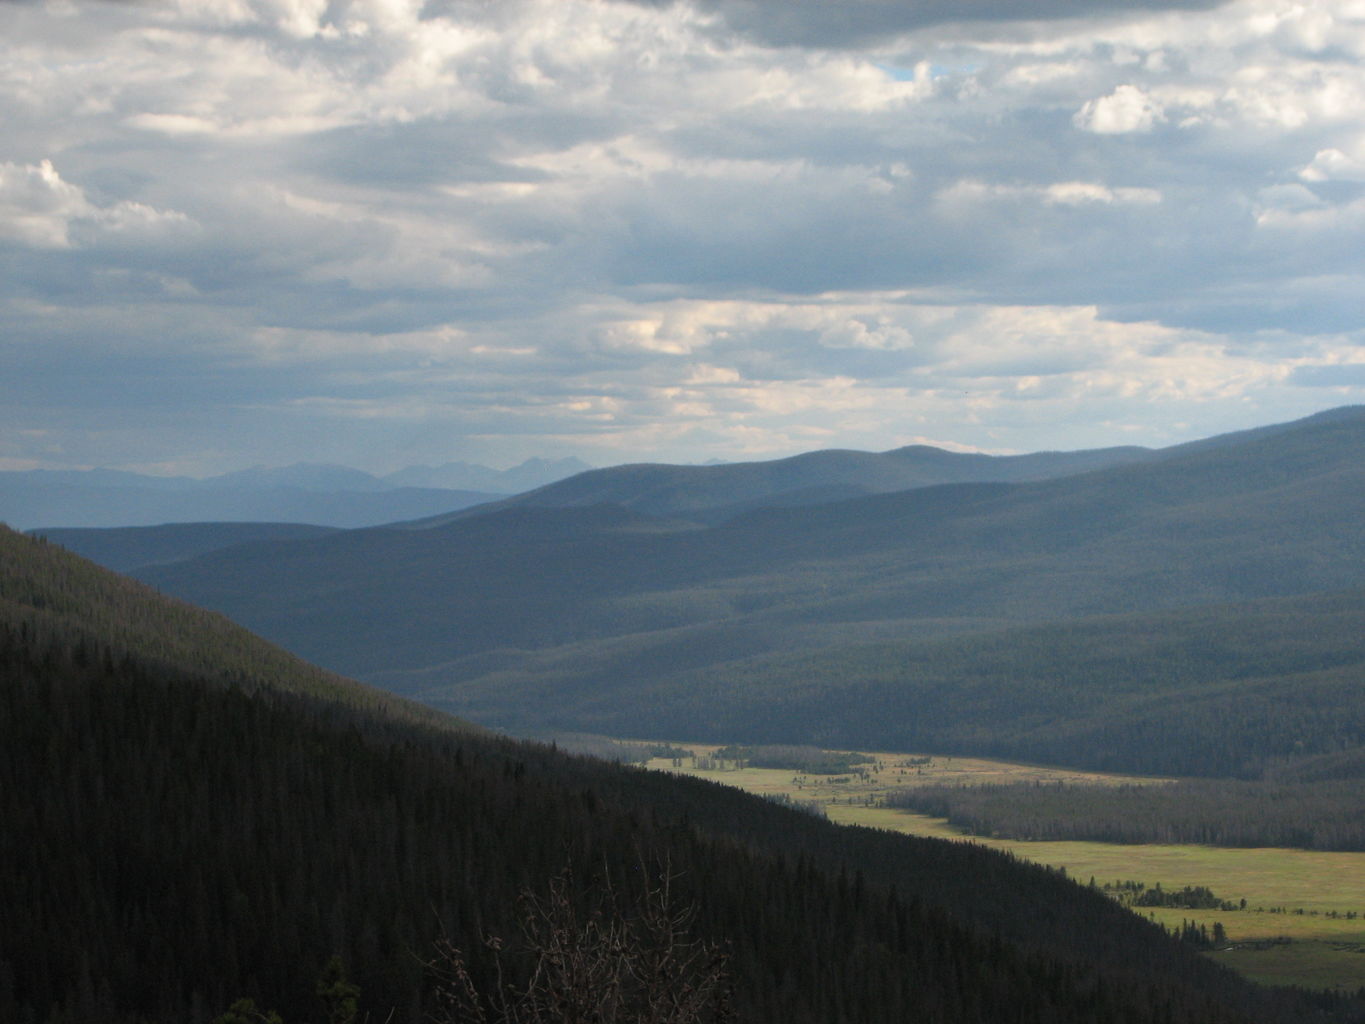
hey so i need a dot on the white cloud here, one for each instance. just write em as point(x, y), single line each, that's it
point(1333, 165)
point(568, 221)
point(1064, 193)
point(1126, 109)
point(39, 209)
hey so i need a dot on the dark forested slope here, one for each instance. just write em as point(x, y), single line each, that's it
point(51, 597)
point(179, 832)
point(1218, 690)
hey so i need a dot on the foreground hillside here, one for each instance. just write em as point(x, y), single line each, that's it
point(181, 831)
point(602, 618)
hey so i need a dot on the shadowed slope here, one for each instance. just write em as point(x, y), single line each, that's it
point(191, 817)
point(603, 591)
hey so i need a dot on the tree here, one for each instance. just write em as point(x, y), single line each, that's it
point(244, 1011)
point(338, 994)
point(600, 963)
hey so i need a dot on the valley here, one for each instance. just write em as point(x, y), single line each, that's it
point(1304, 919)
point(1181, 628)
point(682, 512)
point(1195, 613)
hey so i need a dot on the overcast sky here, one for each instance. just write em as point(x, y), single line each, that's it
point(383, 232)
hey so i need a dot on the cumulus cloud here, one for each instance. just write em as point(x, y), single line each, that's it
point(381, 231)
point(39, 209)
point(1333, 165)
point(1126, 109)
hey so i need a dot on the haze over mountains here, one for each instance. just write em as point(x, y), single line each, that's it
point(320, 495)
point(602, 617)
point(1194, 611)
point(699, 494)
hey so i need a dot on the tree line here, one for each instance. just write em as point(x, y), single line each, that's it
point(1327, 814)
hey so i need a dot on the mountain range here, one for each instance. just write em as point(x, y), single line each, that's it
point(306, 493)
point(714, 493)
point(795, 624)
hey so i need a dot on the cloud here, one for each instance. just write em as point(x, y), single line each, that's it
point(387, 231)
point(1333, 165)
point(818, 24)
point(1126, 109)
point(39, 209)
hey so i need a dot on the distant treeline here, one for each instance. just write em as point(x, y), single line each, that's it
point(795, 758)
point(609, 749)
point(1189, 897)
point(1322, 815)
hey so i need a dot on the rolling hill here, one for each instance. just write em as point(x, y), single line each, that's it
point(712, 494)
point(193, 817)
point(585, 617)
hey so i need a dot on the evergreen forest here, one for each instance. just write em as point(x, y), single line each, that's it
point(194, 819)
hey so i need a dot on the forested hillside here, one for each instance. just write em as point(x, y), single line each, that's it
point(181, 831)
point(1111, 616)
point(1222, 690)
point(1319, 815)
point(52, 599)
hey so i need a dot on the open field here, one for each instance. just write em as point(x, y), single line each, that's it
point(1301, 896)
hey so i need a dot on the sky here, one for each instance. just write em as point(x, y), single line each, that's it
point(382, 232)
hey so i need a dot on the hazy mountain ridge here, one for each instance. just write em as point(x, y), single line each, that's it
point(317, 494)
point(482, 605)
point(62, 505)
point(470, 476)
point(714, 493)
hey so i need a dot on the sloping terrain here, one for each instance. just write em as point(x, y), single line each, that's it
point(712, 494)
point(129, 547)
point(1219, 690)
point(50, 598)
point(192, 817)
point(608, 610)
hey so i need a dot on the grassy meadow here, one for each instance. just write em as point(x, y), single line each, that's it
point(1293, 931)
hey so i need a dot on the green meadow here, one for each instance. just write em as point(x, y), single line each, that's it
point(1304, 919)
